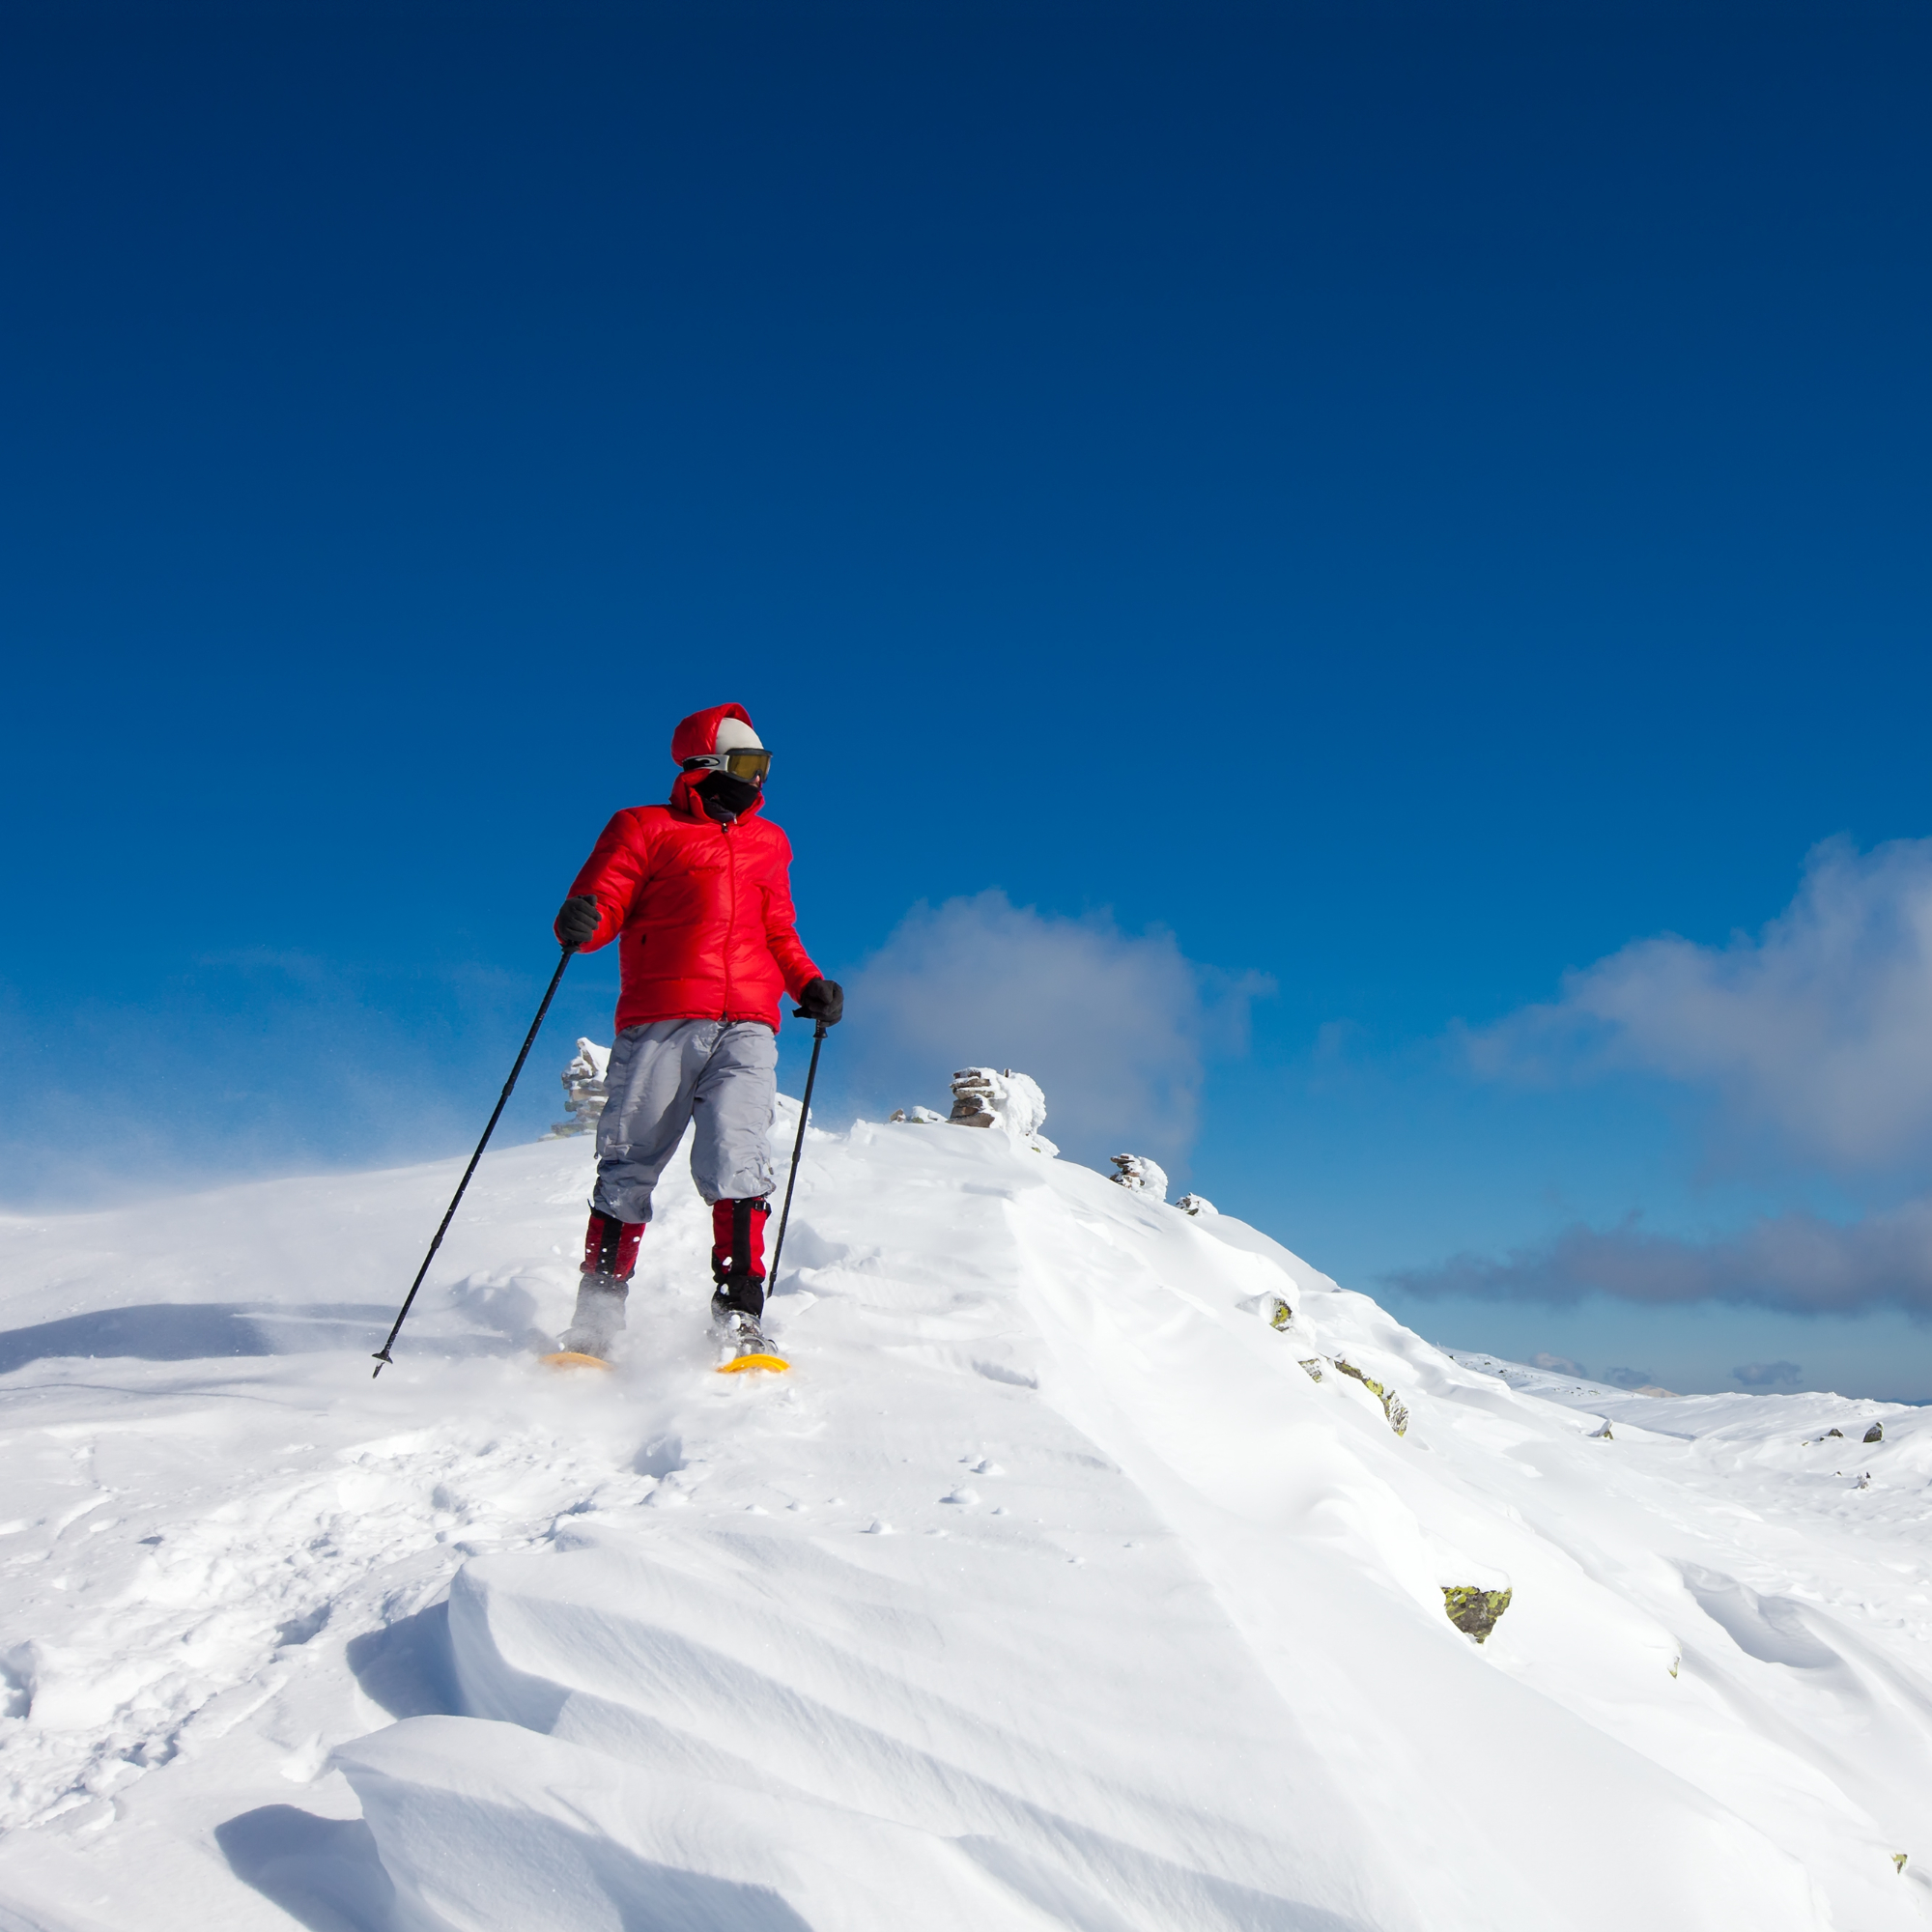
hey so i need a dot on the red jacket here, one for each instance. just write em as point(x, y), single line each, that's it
point(703, 911)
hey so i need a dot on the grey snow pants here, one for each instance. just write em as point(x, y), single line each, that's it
point(720, 1073)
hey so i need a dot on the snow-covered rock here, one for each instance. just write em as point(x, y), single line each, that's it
point(585, 1093)
point(1008, 1102)
point(1196, 1204)
point(1143, 1176)
point(1051, 1589)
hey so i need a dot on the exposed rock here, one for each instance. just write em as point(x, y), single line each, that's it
point(1314, 1366)
point(917, 1116)
point(1875, 1433)
point(1474, 1611)
point(1271, 1308)
point(1196, 1204)
point(1392, 1403)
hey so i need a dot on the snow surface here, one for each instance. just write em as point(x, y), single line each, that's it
point(1051, 1589)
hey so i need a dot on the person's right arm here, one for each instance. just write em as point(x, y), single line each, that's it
point(600, 898)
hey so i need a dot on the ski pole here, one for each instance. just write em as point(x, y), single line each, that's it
point(798, 1146)
point(529, 1040)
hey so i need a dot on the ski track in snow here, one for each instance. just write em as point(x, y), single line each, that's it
point(1049, 1590)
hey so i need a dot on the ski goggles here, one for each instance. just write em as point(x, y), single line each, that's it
point(750, 766)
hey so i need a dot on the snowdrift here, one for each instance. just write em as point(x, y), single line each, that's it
point(1077, 1575)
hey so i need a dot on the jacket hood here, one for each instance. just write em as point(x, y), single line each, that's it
point(694, 737)
point(697, 737)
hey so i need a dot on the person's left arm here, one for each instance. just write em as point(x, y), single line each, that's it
point(821, 998)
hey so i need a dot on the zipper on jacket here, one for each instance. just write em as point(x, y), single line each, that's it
point(731, 918)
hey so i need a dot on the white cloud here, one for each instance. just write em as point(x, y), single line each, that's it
point(1818, 1031)
point(1115, 1027)
point(1769, 1375)
point(1798, 1263)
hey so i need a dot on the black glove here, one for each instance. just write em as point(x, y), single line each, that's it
point(823, 1000)
point(579, 920)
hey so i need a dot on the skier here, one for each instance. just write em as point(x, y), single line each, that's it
point(698, 892)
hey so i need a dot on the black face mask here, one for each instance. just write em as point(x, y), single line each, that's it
point(726, 797)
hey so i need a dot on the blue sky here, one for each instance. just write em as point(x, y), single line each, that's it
point(1262, 540)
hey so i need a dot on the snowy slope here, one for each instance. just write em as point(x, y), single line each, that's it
point(1049, 1589)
